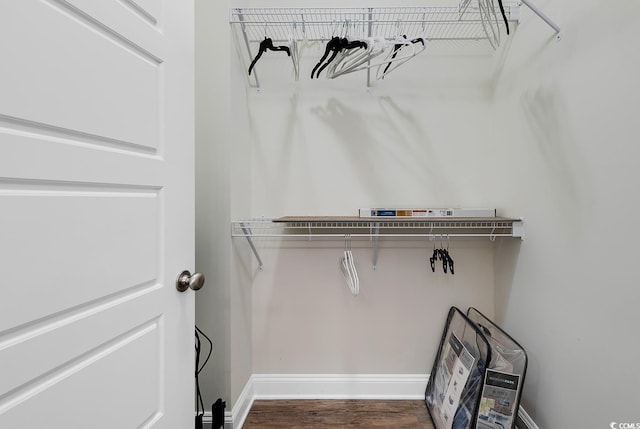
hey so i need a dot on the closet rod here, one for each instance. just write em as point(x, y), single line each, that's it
point(372, 236)
point(363, 21)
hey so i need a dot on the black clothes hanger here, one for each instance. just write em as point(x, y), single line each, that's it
point(338, 45)
point(444, 259)
point(267, 43)
point(335, 45)
point(433, 259)
point(444, 256)
point(504, 16)
point(447, 261)
point(332, 45)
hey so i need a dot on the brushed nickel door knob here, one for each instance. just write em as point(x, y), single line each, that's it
point(186, 280)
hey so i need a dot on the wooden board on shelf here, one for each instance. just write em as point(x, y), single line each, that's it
point(320, 219)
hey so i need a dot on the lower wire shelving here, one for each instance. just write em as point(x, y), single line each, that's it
point(342, 227)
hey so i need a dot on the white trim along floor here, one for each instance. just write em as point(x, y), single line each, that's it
point(331, 386)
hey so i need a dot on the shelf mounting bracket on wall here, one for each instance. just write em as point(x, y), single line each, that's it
point(249, 235)
point(543, 16)
point(376, 248)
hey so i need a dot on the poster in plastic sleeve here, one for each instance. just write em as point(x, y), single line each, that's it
point(499, 400)
point(458, 363)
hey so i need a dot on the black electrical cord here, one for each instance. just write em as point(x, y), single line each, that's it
point(199, 368)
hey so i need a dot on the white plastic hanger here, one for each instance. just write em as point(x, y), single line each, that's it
point(344, 269)
point(356, 60)
point(402, 50)
point(348, 268)
point(353, 60)
point(490, 21)
point(408, 50)
point(354, 272)
point(295, 56)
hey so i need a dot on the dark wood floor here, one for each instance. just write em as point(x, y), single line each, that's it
point(316, 414)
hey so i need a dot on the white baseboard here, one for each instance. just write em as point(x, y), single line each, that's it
point(236, 417)
point(207, 420)
point(527, 421)
point(242, 406)
point(339, 386)
point(331, 386)
point(321, 386)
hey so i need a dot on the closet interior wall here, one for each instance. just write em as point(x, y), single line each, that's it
point(568, 112)
point(545, 132)
point(328, 147)
point(223, 306)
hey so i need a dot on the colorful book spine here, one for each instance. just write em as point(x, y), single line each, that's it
point(420, 212)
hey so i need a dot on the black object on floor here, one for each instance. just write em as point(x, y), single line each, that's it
point(217, 414)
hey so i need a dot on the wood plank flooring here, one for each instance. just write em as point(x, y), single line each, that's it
point(348, 414)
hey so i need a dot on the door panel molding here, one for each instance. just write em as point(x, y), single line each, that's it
point(41, 131)
point(145, 339)
point(84, 18)
point(97, 196)
point(143, 13)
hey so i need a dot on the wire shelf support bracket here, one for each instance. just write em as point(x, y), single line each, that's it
point(535, 9)
point(376, 248)
point(246, 231)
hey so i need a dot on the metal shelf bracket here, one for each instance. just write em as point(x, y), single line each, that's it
point(248, 234)
point(543, 16)
point(376, 248)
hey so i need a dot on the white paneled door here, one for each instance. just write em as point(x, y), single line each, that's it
point(96, 213)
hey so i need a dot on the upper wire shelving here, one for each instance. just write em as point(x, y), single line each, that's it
point(320, 24)
point(469, 22)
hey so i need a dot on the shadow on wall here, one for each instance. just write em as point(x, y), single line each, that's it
point(507, 254)
point(562, 169)
point(505, 264)
point(412, 137)
point(285, 172)
point(359, 139)
point(509, 81)
point(394, 141)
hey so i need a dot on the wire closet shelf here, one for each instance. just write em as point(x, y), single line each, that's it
point(373, 229)
point(337, 227)
point(461, 23)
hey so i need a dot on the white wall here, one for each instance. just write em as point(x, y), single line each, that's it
point(223, 307)
point(546, 134)
point(305, 320)
point(212, 195)
point(568, 119)
point(329, 147)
